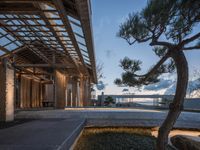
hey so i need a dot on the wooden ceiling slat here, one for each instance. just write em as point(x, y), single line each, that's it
point(63, 15)
point(45, 30)
point(54, 33)
point(85, 18)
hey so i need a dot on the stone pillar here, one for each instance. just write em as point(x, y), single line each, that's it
point(69, 93)
point(78, 93)
point(66, 90)
point(81, 91)
point(74, 92)
point(6, 91)
point(85, 95)
point(86, 91)
point(60, 90)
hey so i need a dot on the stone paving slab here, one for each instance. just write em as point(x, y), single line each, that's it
point(58, 129)
point(134, 117)
point(45, 134)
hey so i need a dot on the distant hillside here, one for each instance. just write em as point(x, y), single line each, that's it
point(168, 87)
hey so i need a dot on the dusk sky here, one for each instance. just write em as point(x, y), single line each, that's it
point(107, 15)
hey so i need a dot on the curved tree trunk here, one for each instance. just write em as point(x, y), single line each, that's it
point(177, 105)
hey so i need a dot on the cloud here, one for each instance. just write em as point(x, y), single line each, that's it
point(109, 53)
point(193, 85)
point(171, 90)
point(159, 86)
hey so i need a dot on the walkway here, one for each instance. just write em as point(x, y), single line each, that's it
point(45, 134)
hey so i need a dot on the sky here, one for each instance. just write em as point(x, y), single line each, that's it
point(107, 15)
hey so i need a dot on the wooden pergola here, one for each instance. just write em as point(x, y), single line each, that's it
point(40, 37)
point(58, 32)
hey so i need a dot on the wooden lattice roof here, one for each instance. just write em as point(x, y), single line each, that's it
point(56, 31)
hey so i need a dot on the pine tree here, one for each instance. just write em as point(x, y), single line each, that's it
point(168, 26)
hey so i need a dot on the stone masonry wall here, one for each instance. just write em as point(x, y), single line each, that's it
point(2, 92)
point(6, 92)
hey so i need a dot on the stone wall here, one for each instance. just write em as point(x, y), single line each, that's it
point(6, 91)
point(2, 92)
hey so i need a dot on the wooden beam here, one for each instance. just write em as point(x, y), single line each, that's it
point(40, 35)
point(73, 22)
point(36, 73)
point(45, 65)
point(21, 39)
point(31, 18)
point(27, 71)
point(48, 22)
point(82, 44)
point(63, 14)
point(31, 25)
point(84, 12)
point(24, 1)
point(81, 36)
point(4, 49)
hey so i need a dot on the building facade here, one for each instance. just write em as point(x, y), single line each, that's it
point(47, 55)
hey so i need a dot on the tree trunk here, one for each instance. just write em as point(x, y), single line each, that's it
point(177, 105)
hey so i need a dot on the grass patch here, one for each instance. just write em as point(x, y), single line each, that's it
point(116, 139)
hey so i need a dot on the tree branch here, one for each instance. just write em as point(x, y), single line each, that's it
point(186, 41)
point(146, 76)
point(143, 40)
point(191, 48)
point(161, 43)
point(129, 42)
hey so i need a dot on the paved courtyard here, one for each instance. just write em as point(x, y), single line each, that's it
point(116, 116)
point(58, 129)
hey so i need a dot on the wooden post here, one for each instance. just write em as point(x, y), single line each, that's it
point(6, 91)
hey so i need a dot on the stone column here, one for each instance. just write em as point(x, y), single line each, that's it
point(75, 91)
point(60, 90)
point(78, 93)
point(84, 82)
point(69, 92)
point(6, 91)
point(66, 90)
point(86, 91)
point(81, 91)
point(89, 92)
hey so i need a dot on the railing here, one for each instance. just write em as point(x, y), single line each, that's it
point(148, 101)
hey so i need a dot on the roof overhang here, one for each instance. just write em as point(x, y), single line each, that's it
point(62, 27)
